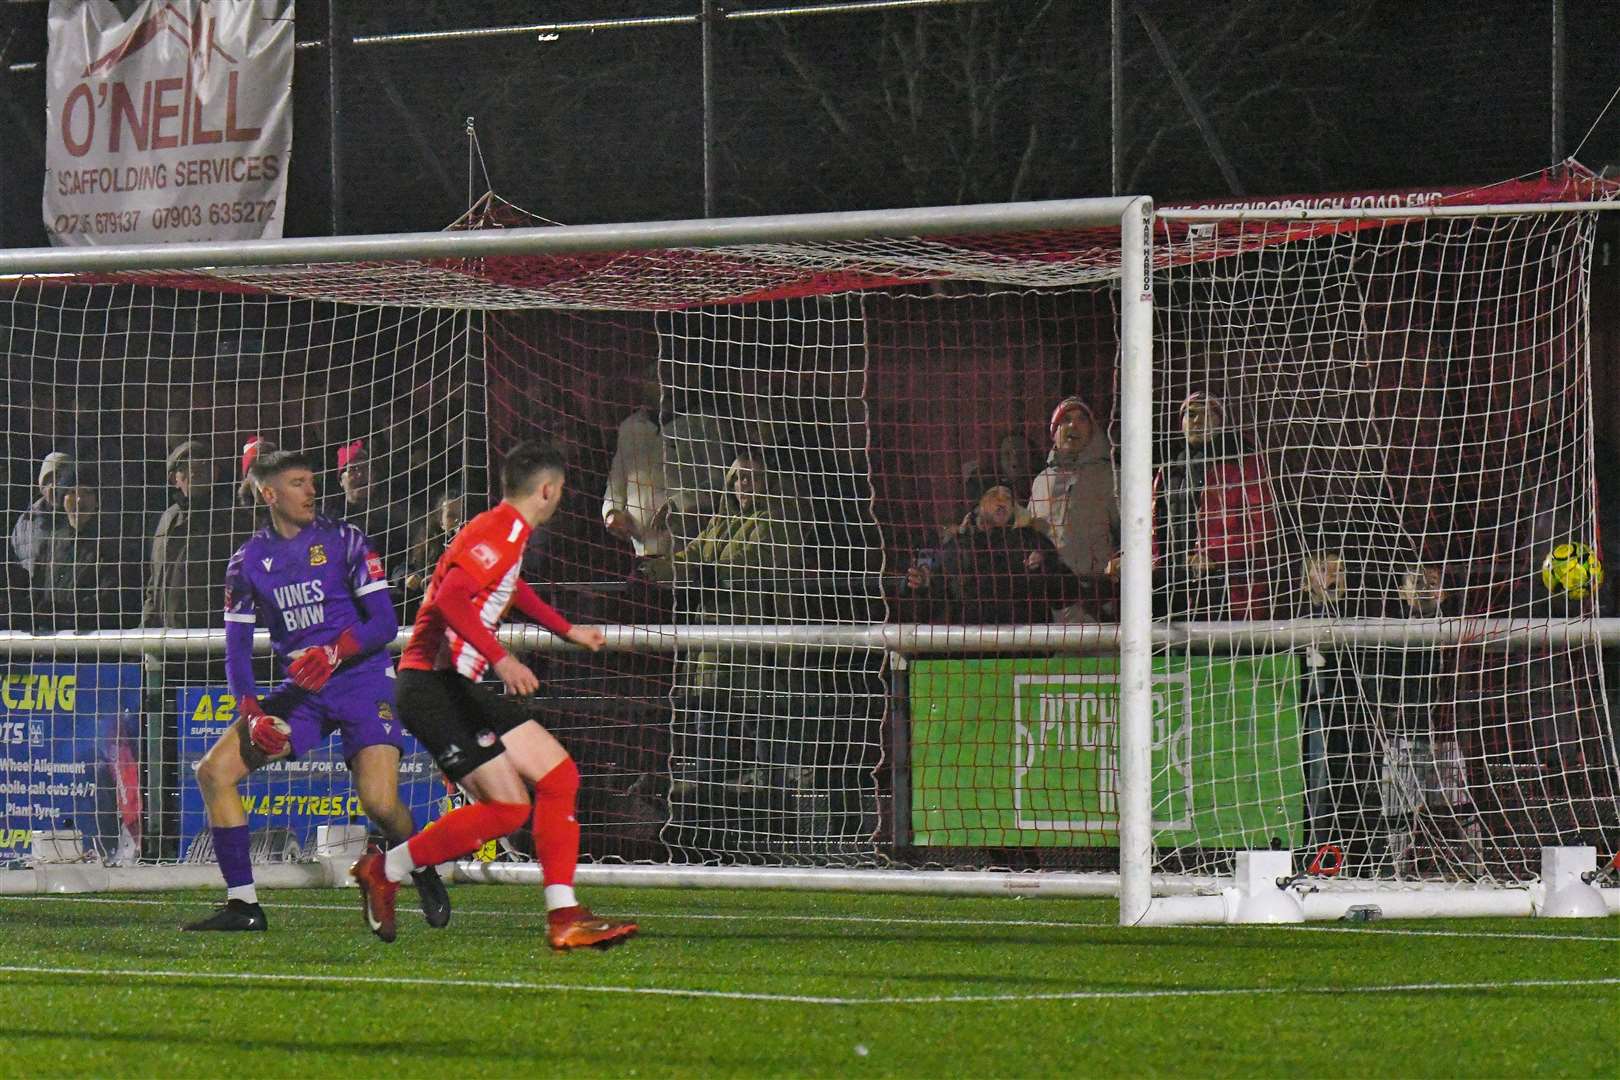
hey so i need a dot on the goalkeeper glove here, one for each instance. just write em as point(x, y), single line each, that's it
point(315, 665)
point(266, 732)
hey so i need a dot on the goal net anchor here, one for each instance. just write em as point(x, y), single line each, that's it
point(1262, 894)
point(1565, 889)
point(1265, 891)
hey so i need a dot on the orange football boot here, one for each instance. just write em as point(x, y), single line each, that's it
point(575, 927)
point(376, 893)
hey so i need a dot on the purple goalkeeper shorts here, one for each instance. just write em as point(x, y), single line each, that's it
point(357, 701)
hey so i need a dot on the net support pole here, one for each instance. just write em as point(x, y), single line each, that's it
point(1136, 570)
point(334, 113)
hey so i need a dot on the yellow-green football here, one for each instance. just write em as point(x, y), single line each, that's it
point(1572, 570)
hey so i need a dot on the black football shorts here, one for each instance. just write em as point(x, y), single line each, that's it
point(460, 722)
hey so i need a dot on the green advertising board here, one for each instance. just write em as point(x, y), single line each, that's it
point(1024, 753)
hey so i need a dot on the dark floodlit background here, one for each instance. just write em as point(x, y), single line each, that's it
point(977, 102)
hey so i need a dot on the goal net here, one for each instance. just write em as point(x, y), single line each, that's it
point(1376, 487)
point(848, 506)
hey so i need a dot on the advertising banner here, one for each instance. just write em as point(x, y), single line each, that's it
point(1025, 753)
point(173, 123)
point(68, 735)
point(292, 795)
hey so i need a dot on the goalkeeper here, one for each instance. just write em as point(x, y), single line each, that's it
point(321, 590)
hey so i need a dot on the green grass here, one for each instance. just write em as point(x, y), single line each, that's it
point(113, 989)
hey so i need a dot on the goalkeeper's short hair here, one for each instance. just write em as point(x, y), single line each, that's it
point(524, 463)
point(267, 467)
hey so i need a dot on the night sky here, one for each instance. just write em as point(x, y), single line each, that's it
point(974, 103)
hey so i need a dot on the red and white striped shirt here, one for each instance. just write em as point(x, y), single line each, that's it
point(482, 565)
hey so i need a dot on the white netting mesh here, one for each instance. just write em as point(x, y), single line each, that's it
point(135, 404)
point(1393, 423)
point(801, 439)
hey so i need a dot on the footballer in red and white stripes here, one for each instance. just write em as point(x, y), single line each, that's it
point(488, 743)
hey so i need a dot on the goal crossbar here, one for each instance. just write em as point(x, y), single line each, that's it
point(577, 239)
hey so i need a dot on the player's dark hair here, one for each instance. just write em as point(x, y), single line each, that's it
point(523, 464)
point(267, 467)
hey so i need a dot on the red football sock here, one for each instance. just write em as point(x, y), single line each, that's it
point(556, 829)
point(464, 830)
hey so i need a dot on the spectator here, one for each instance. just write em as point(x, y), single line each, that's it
point(449, 515)
point(363, 501)
point(635, 506)
point(1214, 520)
point(998, 570)
point(28, 536)
point(754, 532)
point(1073, 501)
point(1356, 703)
point(694, 460)
point(85, 578)
point(247, 495)
point(729, 700)
point(1011, 467)
point(192, 544)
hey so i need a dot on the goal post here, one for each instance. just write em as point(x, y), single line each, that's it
point(1136, 570)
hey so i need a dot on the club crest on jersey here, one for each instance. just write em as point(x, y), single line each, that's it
point(485, 555)
point(384, 711)
point(317, 555)
point(374, 566)
point(267, 563)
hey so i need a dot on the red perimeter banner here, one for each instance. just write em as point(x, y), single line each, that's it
point(170, 124)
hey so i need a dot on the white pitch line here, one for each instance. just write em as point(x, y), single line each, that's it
point(1239, 991)
point(475, 984)
point(770, 916)
point(800, 999)
point(881, 920)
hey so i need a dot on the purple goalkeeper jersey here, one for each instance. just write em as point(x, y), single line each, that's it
point(306, 591)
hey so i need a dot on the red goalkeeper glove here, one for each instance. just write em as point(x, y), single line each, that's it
point(315, 665)
point(267, 733)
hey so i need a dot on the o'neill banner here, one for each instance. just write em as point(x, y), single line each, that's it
point(170, 123)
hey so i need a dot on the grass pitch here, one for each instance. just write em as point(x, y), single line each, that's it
point(750, 984)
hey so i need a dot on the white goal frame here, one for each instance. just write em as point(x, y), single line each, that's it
point(1131, 215)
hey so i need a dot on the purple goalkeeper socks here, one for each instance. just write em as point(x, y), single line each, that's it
point(231, 849)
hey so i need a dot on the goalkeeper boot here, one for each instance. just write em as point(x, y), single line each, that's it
point(376, 893)
point(434, 896)
point(575, 927)
point(232, 915)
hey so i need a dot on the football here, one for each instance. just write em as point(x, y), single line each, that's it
point(1572, 570)
point(286, 729)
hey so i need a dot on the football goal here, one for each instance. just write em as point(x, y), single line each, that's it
point(1241, 562)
